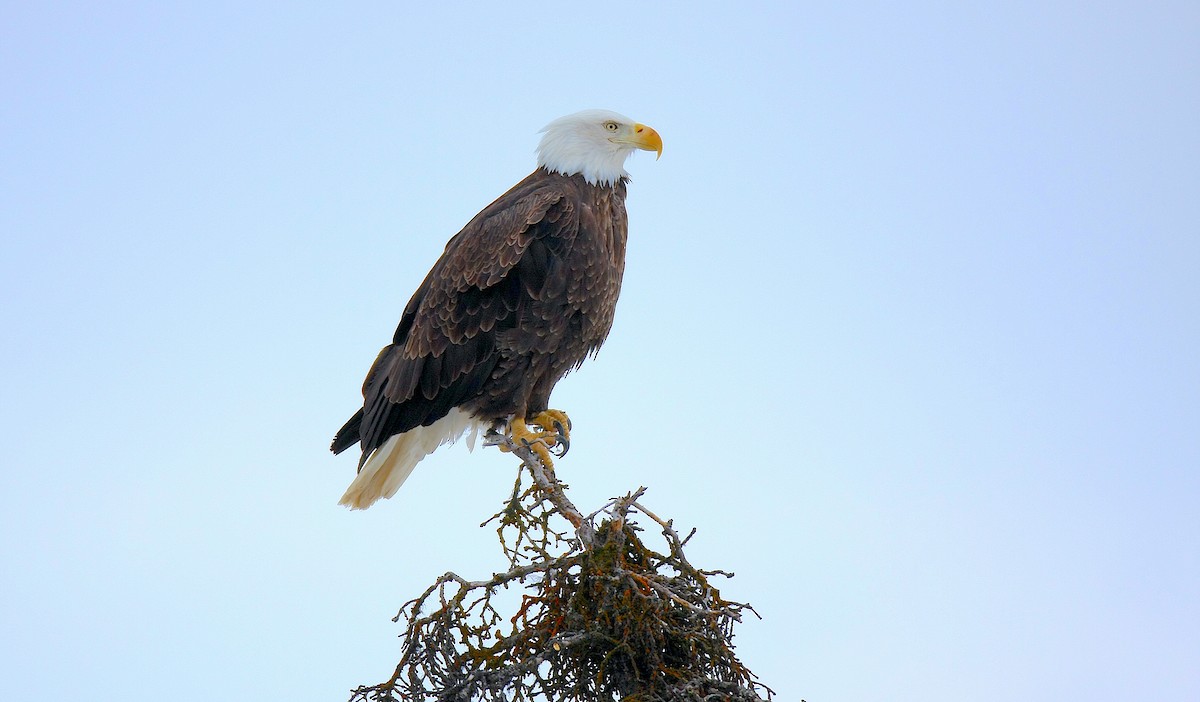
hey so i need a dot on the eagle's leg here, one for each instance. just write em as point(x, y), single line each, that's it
point(557, 421)
point(537, 441)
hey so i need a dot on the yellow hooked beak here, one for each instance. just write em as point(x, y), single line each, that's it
point(645, 138)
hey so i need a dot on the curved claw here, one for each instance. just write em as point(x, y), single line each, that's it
point(562, 441)
point(553, 439)
point(563, 436)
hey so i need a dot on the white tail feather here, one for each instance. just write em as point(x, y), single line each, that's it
point(391, 464)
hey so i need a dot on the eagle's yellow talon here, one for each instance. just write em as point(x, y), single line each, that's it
point(560, 423)
point(555, 431)
point(547, 419)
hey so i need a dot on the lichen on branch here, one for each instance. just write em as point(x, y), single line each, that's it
point(601, 615)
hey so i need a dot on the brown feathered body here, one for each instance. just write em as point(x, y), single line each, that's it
point(522, 295)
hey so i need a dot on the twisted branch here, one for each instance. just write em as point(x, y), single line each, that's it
point(601, 616)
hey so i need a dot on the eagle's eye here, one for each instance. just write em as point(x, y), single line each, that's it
point(611, 126)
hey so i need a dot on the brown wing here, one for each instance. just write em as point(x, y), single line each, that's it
point(444, 349)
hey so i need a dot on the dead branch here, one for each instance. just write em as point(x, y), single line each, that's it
point(601, 615)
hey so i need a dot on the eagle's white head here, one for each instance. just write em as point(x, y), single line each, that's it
point(595, 144)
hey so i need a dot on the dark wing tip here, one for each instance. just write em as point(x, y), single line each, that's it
point(348, 435)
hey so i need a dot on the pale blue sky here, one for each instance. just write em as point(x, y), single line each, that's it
point(909, 332)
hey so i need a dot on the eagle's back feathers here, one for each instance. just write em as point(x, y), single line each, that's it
point(522, 295)
point(519, 297)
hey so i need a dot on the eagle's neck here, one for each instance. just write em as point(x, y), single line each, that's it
point(565, 154)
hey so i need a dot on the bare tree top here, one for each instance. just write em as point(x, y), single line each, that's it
point(600, 615)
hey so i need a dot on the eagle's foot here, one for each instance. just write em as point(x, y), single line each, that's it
point(560, 423)
point(540, 442)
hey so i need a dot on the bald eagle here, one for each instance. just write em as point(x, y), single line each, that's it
point(520, 297)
